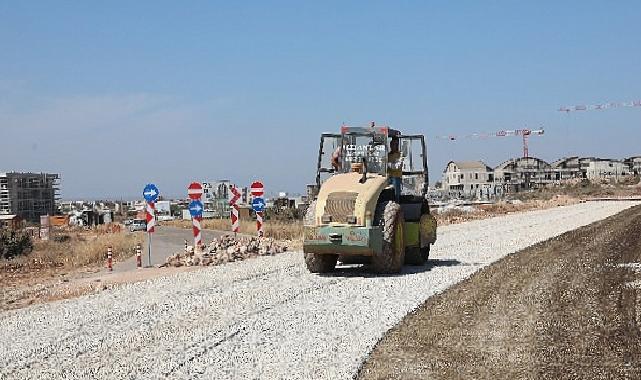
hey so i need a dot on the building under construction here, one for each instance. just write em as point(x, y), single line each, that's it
point(469, 179)
point(28, 195)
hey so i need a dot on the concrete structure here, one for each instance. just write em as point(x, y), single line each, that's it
point(13, 222)
point(468, 178)
point(474, 179)
point(523, 173)
point(566, 169)
point(604, 169)
point(28, 195)
point(634, 164)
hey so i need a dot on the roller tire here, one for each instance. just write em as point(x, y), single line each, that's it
point(320, 263)
point(389, 216)
point(425, 253)
point(414, 256)
point(317, 263)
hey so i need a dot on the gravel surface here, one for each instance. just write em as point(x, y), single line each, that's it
point(261, 318)
point(566, 308)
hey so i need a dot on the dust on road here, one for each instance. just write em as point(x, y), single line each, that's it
point(565, 308)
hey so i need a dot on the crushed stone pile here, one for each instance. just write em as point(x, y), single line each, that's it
point(226, 249)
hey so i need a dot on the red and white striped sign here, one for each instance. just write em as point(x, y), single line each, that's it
point(259, 223)
point(235, 196)
point(198, 239)
point(151, 217)
point(235, 212)
point(195, 190)
point(257, 189)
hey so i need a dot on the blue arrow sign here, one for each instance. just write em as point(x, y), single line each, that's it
point(196, 208)
point(150, 193)
point(258, 204)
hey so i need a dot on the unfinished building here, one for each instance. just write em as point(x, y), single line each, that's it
point(474, 179)
point(634, 164)
point(524, 173)
point(468, 178)
point(604, 169)
point(28, 195)
point(566, 169)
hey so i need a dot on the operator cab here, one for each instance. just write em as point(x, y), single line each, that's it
point(369, 147)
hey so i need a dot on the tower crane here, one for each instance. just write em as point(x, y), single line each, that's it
point(523, 133)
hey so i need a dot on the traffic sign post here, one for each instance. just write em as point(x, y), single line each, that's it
point(233, 202)
point(258, 204)
point(257, 190)
point(150, 193)
point(195, 191)
point(196, 210)
point(151, 226)
point(259, 223)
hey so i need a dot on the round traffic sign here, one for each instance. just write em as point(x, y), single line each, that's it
point(195, 190)
point(257, 189)
point(196, 208)
point(258, 204)
point(150, 193)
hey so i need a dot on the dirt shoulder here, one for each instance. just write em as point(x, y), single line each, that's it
point(569, 307)
point(53, 285)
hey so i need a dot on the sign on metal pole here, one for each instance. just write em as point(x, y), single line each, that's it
point(151, 217)
point(150, 193)
point(196, 210)
point(257, 189)
point(259, 223)
point(233, 202)
point(258, 204)
point(195, 191)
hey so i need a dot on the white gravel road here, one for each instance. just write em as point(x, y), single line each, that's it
point(262, 318)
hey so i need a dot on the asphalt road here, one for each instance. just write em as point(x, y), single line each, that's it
point(165, 242)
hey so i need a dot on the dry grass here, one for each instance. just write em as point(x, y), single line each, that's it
point(80, 250)
point(585, 190)
point(279, 230)
point(455, 216)
point(39, 275)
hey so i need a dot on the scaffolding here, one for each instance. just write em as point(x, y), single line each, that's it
point(29, 195)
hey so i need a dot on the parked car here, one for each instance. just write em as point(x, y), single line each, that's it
point(138, 225)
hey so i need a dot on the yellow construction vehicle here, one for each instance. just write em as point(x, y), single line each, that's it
point(357, 212)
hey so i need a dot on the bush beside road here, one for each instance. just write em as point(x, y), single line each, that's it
point(30, 277)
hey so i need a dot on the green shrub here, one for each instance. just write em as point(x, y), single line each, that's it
point(14, 243)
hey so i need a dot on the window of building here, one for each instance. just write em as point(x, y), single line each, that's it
point(476, 176)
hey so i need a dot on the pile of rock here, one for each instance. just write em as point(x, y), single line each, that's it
point(226, 249)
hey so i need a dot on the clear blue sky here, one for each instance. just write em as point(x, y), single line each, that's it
point(113, 95)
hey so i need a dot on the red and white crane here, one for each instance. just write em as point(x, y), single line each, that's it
point(523, 133)
point(599, 106)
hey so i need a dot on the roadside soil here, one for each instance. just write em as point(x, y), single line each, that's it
point(503, 207)
point(52, 284)
point(567, 308)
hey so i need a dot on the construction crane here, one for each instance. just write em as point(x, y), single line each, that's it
point(523, 133)
point(600, 106)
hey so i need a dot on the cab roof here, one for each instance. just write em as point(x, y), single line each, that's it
point(375, 130)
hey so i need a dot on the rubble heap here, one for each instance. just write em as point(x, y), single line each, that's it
point(226, 249)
